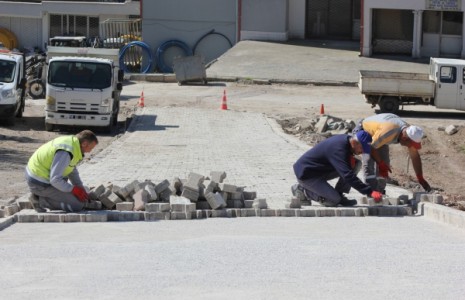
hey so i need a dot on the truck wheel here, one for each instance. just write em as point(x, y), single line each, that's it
point(36, 89)
point(48, 127)
point(389, 105)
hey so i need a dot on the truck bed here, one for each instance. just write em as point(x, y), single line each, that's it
point(396, 84)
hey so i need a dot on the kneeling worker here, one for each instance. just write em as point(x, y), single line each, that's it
point(330, 159)
point(50, 168)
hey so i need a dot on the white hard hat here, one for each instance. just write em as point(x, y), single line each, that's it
point(415, 133)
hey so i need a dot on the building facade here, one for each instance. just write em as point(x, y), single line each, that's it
point(420, 28)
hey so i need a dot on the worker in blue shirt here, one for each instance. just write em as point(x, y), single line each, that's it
point(330, 159)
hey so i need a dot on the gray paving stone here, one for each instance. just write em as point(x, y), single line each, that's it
point(125, 206)
point(29, 217)
point(24, 204)
point(183, 207)
point(11, 209)
point(156, 216)
point(259, 203)
point(249, 212)
point(217, 176)
point(53, 217)
point(177, 215)
point(72, 217)
point(270, 212)
point(6, 222)
point(219, 213)
point(308, 213)
point(191, 194)
point(248, 203)
point(290, 212)
point(229, 188)
point(215, 200)
point(202, 205)
point(125, 216)
point(162, 186)
point(157, 207)
point(2, 213)
point(233, 212)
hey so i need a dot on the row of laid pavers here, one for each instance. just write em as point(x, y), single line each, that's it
point(31, 216)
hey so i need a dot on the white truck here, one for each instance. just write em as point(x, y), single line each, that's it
point(83, 87)
point(12, 85)
point(442, 87)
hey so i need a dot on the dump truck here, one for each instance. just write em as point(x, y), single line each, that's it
point(12, 85)
point(441, 87)
point(83, 87)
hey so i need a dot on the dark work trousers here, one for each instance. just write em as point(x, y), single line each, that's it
point(318, 188)
point(54, 199)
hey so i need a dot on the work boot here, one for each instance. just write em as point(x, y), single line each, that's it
point(347, 202)
point(34, 200)
point(298, 192)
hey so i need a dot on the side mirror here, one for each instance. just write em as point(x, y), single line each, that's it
point(120, 75)
point(119, 86)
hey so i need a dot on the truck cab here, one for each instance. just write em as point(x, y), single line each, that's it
point(449, 78)
point(12, 85)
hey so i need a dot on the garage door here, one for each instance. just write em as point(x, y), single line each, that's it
point(329, 19)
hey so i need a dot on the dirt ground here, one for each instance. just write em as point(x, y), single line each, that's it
point(443, 160)
point(443, 155)
point(18, 142)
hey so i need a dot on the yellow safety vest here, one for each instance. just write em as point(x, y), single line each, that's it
point(40, 162)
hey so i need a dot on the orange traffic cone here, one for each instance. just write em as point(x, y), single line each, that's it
point(141, 100)
point(224, 105)
point(322, 109)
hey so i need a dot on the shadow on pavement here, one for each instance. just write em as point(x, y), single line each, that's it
point(147, 123)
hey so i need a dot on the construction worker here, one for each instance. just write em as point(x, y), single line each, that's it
point(329, 159)
point(50, 168)
point(388, 129)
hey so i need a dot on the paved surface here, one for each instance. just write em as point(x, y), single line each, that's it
point(164, 143)
point(253, 258)
point(322, 62)
point(257, 258)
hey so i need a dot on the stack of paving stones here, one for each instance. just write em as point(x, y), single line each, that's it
point(198, 197)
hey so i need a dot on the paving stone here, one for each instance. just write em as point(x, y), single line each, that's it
point(217, 176)
point(177, 215)
point(362, 200)
point(2, 213)
point(191, 194)
point(72, 217)
point(308, 213)
point(157, 207)
point(270, 212)
point(94, 216)
point(199, 214)
point(93, 205)
point(194, 180)
point(125, 206)
point(233, 212)
point(210, 186)
point(438, 199)
point(53, 217)
point(29, 218)
point(236, 196)
point(215, 200)
point(249, 195)
point(122, 192)
point(290, 212)
point(6, 222)
point(95, 192)
point(394, 201)
point(183, 207)
point(162, 186)
point(180, 200)
point(202, 205)
point(11, 209)
point(294, 202)
point(328, 212)
point(219, 213)
point(248, 203)
point(229, 188)
point(24, 204)
point(259, 203)
point(152, 195)
point(140, 199)
point(346, 212)
point(248, 212)
point(125, 216)
point(387, 211)
point(361, 211)
point(156, 216)
point(404, 210)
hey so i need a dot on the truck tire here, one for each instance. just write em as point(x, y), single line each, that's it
point(36, 89)
point(389, 105)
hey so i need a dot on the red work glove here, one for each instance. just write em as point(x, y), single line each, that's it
point(423, 183)
point(377, 196)
point(80, 193)
point(352, 161)
point(383, 169)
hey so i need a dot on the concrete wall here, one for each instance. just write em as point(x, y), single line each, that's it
point(188, 21)
point(264, 20)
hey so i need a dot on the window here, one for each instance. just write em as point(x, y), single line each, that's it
point(69, 25)
point(448, 74)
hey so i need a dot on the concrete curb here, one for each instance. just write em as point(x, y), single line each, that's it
point(6, 222)
point(442, 214)
point(171, 78)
